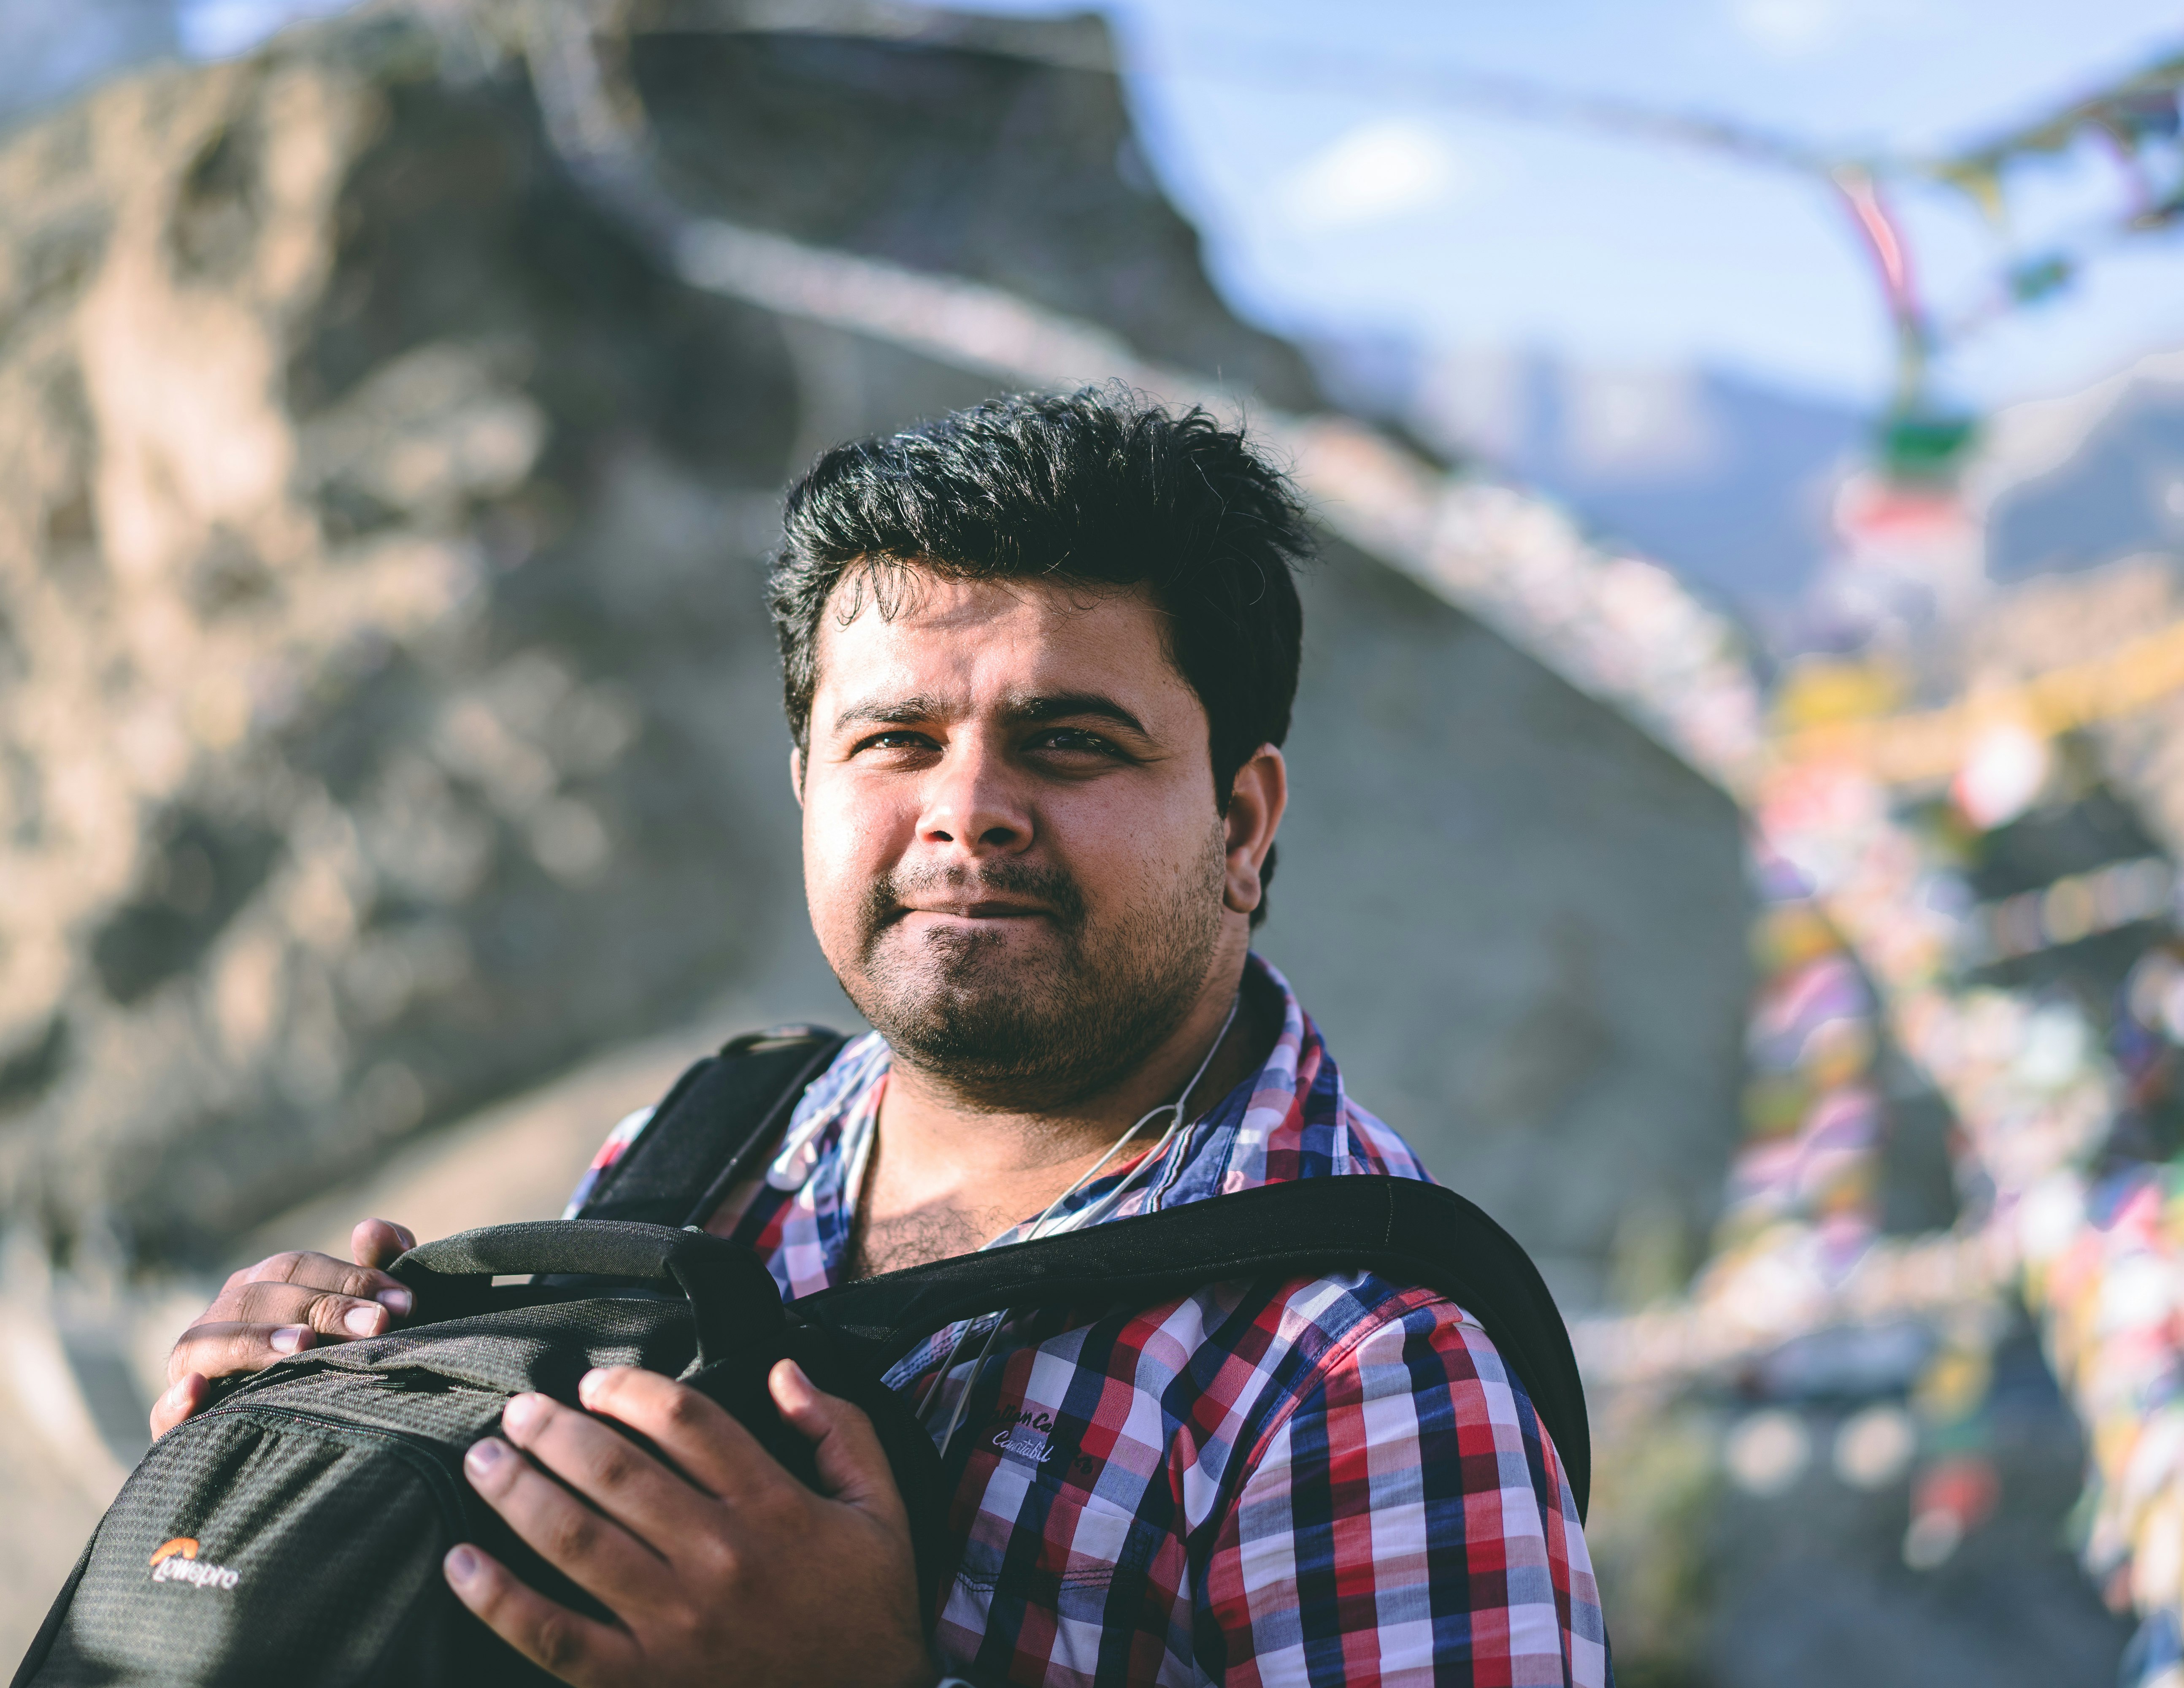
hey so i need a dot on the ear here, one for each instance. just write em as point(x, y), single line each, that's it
point(796, 774)
point(1255, 803)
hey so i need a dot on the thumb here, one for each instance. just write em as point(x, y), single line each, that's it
point(379, 1242)
point(178, 1403)
point(853, 1467)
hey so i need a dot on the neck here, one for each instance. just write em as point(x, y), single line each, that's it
point(946, 1177)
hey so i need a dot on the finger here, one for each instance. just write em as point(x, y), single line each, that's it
point(188, 1393)
point(575, 1648)
point(587, 1547)
point(338, 1317)
point(220, 1349)
point(312, 1271)
point(701, 1436)
point(853, 1465)
point(608, 1469)
point(379, 1242)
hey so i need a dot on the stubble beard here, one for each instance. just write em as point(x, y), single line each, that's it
point(1025, 1034)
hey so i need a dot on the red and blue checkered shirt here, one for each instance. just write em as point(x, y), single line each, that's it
point(1323, 1481)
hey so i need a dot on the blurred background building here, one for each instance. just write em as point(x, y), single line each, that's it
point(1737, 771)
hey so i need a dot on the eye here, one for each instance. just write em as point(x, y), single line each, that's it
point(1075, 740)
point(897, 738)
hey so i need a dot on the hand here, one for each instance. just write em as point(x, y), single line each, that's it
point(725, 1567)
point(268, 1312)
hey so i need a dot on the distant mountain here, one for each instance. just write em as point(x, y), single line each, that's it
point(1723, 478)
point(1727, 480)
point(2082, 482)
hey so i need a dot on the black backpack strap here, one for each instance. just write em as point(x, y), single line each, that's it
point(713, 1127)
point(1404, 1230)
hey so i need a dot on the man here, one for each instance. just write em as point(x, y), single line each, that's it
point(1039, 659)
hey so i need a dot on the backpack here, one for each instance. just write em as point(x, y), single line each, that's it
point(293, 1530)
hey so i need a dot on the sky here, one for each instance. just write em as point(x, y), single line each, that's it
point(1343, 193)
point(1340, 190)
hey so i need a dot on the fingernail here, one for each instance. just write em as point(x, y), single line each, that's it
point(521, 1409)
point(484, 1455)
point(363, 1321)
point(589, 1385)
point(461, 1564)
point(291, 1337)
point(178, 1393)
point(396, 1301)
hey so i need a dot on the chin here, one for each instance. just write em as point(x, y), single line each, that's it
point(983, 1010)
point(957, 953)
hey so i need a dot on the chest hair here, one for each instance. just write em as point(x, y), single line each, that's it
point(920, 1238)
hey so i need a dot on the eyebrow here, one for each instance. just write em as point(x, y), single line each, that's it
point(1063, 706)
point(894, 712)
point(1045, 706)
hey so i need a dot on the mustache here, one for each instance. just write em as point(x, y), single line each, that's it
point(890, 897)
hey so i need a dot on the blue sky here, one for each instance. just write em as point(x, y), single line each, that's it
point(1487, 230)
point(1345, 200)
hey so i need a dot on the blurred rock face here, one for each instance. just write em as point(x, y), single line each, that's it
point(310, 753)
point(387, 713)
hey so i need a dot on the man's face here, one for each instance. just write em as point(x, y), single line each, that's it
point(1012, 848)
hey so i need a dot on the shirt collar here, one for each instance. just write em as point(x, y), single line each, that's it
point(1289, 1119)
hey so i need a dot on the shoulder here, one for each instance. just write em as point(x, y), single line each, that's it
point(1275, 1343)
point(1384, 1435)
point(1374, 1146)
point(1358, 1337)
point(1413, 1431)
point(1308, 1126)
point(1422, 1389)
point(1404, 1512)
point(1313, 1372)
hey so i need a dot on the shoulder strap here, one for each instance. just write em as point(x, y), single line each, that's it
point(1402, 1229)
point(713, 1126)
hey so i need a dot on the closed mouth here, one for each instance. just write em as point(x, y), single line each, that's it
point(980, 911)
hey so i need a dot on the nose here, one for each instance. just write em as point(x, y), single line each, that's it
point(972, 803)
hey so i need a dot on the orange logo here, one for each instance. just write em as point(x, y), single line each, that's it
point(177, 1562)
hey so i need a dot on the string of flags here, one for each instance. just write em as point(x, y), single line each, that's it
point(2064, 1137)
point(2134, 124)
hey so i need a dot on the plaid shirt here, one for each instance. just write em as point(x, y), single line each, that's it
point(1323, 1481)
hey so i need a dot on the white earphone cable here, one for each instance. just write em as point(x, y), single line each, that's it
point(1091, 1215)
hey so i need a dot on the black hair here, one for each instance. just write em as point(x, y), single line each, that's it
point(1098, 486)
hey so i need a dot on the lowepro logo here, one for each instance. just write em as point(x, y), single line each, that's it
point(177, 1562)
